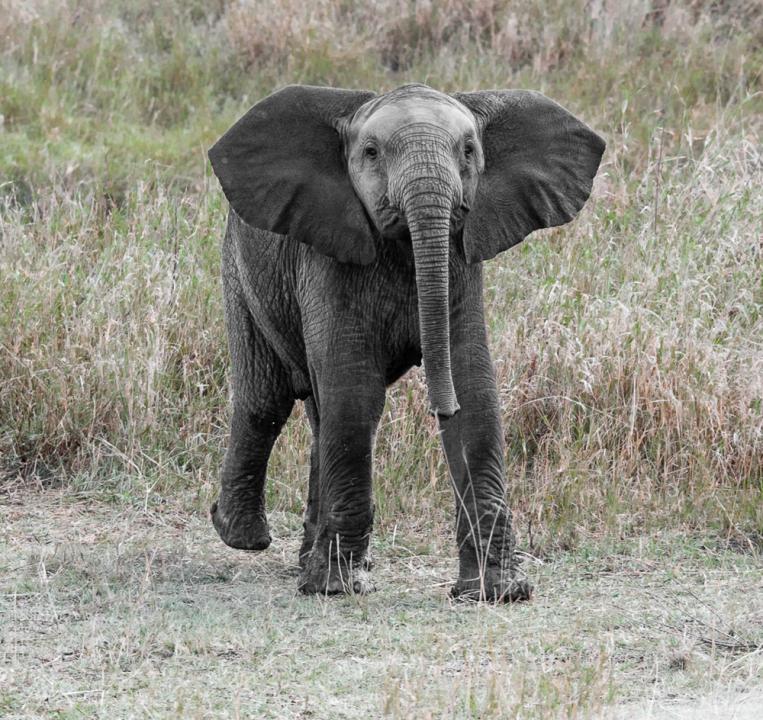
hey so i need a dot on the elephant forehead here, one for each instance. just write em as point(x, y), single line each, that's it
point(433, 108)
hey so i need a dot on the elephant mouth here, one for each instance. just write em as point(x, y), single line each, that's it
point(390, 218)
point(458, 217)
point(393, 224)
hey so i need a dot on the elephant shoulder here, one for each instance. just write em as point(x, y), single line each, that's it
point(263, 265)
point(257, 245)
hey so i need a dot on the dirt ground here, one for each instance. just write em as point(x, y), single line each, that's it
point(118, 611)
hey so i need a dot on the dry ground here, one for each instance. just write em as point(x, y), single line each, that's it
point(112, 610)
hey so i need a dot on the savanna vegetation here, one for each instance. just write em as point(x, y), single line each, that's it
point(628, 349)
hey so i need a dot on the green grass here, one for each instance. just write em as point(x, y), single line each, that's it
point(627, 345)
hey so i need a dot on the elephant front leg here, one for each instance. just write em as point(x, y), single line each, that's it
point(487, 564)
point(337, 560)
point(239, 512)
point(473, 444)
point(262, 401)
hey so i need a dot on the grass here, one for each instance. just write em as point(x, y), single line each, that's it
point(112, 611)
point(627, 345)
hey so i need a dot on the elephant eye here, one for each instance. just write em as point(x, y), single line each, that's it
point(370, 152)
point(469, 149)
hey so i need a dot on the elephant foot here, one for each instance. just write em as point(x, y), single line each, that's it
point(336, 578)
point(304, 554)
point(306, 549)
point(492, 587)
point(241, 530)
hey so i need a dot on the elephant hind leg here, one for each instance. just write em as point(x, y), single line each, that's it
point(313, 491)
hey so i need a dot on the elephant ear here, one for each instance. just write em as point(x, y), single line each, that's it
point(540, 162)
point(282, 168)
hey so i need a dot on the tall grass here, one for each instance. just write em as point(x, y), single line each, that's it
point(627, 345)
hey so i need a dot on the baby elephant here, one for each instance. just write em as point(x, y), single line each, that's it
point(354, 248)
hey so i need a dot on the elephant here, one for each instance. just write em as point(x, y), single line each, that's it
point(356, 233)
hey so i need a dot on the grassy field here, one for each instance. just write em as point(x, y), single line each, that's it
point(628, 349)
point(118, 612)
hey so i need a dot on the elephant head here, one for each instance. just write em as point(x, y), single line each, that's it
point(346, 170)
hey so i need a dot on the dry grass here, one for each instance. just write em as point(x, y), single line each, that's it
point(627, 348)
point(627, 345)
point(112, 611)
point(541, 35)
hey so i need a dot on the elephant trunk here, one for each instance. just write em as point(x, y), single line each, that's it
point(428, 206)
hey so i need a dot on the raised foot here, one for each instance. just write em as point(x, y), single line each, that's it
point(244, 531)
point(491, 590)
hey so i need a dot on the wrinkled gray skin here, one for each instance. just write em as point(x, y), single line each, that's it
point(354, 248)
